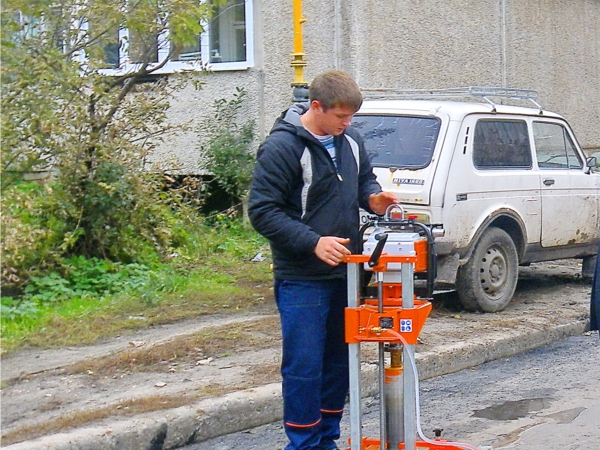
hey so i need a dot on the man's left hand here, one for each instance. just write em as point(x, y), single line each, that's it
point(379, 202)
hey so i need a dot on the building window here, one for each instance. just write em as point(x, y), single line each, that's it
point(228, 40)
point(105, 45)
point(225, 44)
point(227, 33)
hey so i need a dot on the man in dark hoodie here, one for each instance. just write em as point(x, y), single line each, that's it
point(312, 174)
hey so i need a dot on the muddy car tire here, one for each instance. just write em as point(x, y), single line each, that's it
point(488, 280)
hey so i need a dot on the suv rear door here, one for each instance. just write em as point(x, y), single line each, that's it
point(402, 150)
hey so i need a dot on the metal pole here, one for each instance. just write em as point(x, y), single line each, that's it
point(410, 411)
point(298, 63)
point(354, 364)
point(382, 403)
point(394, 398)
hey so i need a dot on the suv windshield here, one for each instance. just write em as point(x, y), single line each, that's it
point(398, 141)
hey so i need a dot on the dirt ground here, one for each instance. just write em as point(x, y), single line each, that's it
point(47, 391)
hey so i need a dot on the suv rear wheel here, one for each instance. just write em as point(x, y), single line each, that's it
point(488, 280)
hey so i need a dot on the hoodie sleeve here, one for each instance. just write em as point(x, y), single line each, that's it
point(276, 173)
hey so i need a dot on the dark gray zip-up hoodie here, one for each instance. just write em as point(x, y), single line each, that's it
point(298, 196)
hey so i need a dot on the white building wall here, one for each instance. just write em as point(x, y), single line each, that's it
point(552, 46)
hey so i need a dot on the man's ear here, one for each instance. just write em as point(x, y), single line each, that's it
point(316, 104)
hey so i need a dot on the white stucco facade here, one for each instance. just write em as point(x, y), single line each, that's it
point(552, 46)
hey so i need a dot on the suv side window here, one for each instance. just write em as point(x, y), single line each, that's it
point(554, 148)
point(501, 144)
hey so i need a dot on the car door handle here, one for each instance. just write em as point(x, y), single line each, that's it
point(548, 181)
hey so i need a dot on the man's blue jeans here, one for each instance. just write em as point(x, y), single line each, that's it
point(314, 364)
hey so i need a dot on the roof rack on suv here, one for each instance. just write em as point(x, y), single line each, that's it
point(459, 92)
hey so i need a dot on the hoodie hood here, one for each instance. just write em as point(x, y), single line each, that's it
point(290, 119)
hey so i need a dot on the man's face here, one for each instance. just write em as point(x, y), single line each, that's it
point(333, 121)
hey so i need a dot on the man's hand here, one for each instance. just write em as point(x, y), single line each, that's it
point(379, 202)
point(331, 249)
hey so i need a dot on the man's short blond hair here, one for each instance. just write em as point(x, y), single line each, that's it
point(335, 88)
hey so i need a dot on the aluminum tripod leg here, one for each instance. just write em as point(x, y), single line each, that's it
point(410, 412)
point(354, 364)
point(382, 403)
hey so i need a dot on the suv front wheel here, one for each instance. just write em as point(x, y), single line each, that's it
point(488, 280)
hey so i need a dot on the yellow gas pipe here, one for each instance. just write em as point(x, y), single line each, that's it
point(300, 86)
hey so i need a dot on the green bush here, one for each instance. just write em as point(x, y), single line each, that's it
point(34, 236)
point(78, 277)
point(42, 232)
point(228, 145)
point(225, 243)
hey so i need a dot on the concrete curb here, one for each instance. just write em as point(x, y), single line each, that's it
point(241, 410)
point(174, 427)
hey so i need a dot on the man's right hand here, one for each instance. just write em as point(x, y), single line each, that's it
point(331, 249)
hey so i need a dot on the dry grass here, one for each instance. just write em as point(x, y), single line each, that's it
point(497, 322)
point(216, 341)
point(210, 342)
point(132, 407)
point(264, 374)
point(128, 407)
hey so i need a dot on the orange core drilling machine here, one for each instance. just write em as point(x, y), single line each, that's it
point(397, 250)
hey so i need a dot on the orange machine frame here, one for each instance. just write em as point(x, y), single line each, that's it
point(363, 323)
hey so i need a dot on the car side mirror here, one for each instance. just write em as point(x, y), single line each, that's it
point(590, 163)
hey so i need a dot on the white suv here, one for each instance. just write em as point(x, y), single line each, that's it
point(509, 185)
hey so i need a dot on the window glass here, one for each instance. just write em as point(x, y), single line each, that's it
point(142, 48)
point(189, 53)
point(500, 144)
point(554, 148)
point(227, 35)
point(398, 141)
point(31, 26)
point(34, 27)
point(105, 44)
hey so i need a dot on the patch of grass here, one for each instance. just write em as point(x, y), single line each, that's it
point(212, 341)
point(219, 278)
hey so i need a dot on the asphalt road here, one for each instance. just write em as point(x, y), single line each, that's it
point(545, 399)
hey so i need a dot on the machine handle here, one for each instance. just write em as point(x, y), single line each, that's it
point(374, 259)
point(391, 208)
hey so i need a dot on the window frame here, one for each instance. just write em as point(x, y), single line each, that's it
point(237, 65)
